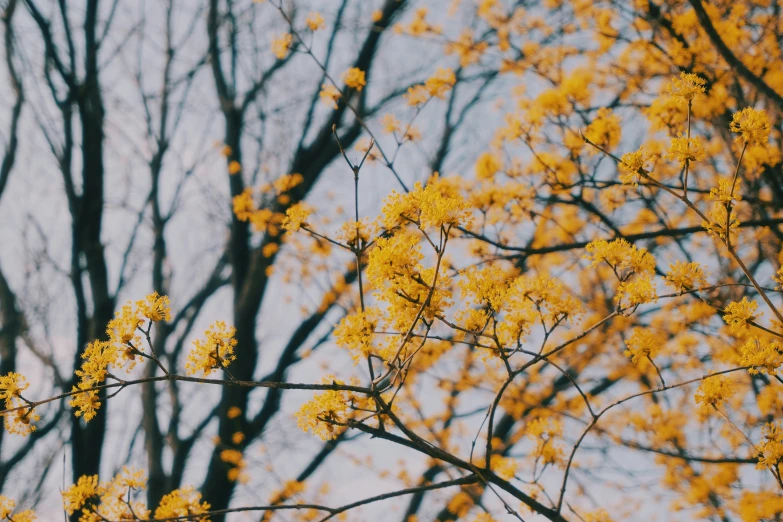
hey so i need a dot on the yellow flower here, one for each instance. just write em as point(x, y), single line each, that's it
point(771, 448)
point(686, 276)
point(377, 15)
point(685, 149)
point(356, 332)
point(719, 217)
point(390, 124)
point(468, 50)
point(687, 86)
point(235, 459)
point(762, 355)
point(642, 344)
point(233, 412)
point(326, 408)
point(234, 167)
point(226, 150)
point(85, 402)
point(412, 133)
point(11, 387)
point(244, 206)
point(503, 467)
point(714, 391)
point(487, 165)
point(640, 290)
point(314, 21)
point(183, 502)
point(441, 83)
point(98, 356)
point(78, 494)
point(605, 129)
point(738, 315)
point(600, 515)
point(752, 125)
point(155, 308)
point(123, 328)
point(632, 165)
point(726, 193)
point(620, 255)
point(7, 506)
point(296, 216)
point(417, 95)
point(286, 182)
point(329, 95)
point(354, 78)
point(216, 351)
point(281, 45)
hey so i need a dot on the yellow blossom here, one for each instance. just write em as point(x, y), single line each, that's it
point(356, 332)
point(236, 462)
point(771, 448)
point(466, 48)
point(642, 344)
point(417, 95)
point(244, 205)
point(687, 86)
point(314, 21)
point(296, 216)
point(390, 124)
point(78, 494)
point(281, 45)
point(183, 502)
point(325, 409)
point(85, 402)
point(441, 83)
point(12, 385)
point(487, 165)
point(329, 95)
point(738, 314)
point(752, 125)
point(604, 130)
point(726, 193)
point(714, 391)
point(216, 351)
point(503, 467)
point(719, 219)
point(20, 422)
point(620, 255)
point(684, 276)
point(412, 133)
point(155, 307)
point(632, 165)
point(354, 78)
point(7, 512)
point(685, 149)
point(234, 167)
point(761, 355)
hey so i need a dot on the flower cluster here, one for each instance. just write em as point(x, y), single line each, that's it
point(713, 392)
point(122, 348)
point(20, 421)
point(7, 511)
point(739, 314)
point(354, 78)
point(687, 86)
point(325, 414)
point(216, 352)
